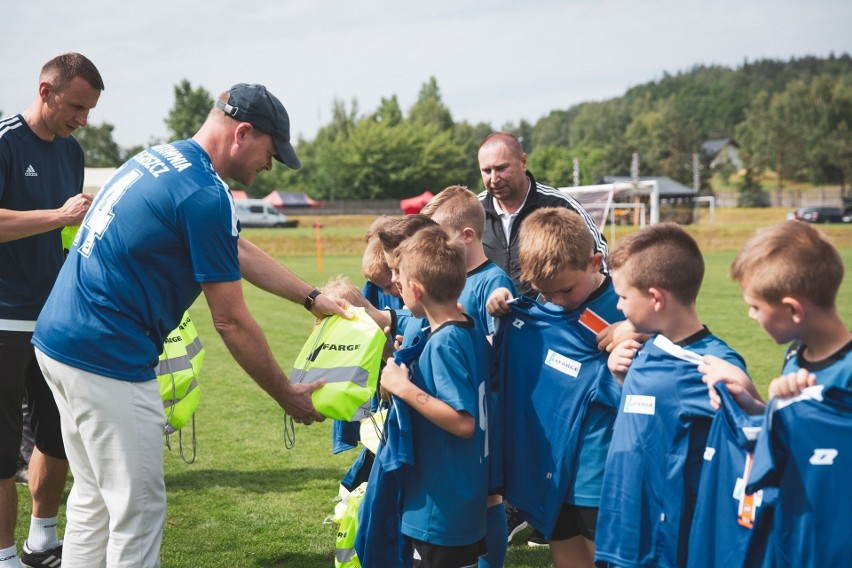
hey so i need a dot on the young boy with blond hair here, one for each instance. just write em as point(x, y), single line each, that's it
point(444, 492)
point(459, 212)
point(790, 275)
point(379, 288)
point(654, 462)
point(560, 398)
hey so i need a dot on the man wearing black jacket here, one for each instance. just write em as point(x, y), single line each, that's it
point(511, 194)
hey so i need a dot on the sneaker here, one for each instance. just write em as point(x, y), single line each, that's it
point(537, 539)
point(514, 522)
point(51, 558)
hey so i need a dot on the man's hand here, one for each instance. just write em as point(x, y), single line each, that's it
point(790, 385)
point(498, 302)
point(297, 402)
point(329, 305)
point(75, 208)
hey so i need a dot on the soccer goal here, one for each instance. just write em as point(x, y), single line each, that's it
point(618, 203)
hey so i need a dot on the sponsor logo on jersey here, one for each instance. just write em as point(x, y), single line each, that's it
point(30, 171)
point(592, 321)
point(823, 456)
point(518, 323)
point(640, 404)
point(562, 363)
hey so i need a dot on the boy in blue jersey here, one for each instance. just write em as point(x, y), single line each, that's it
point(459, 212)
point(654, 461)
point(445, 491)
point(379, 288)
point(790, 275)
point(560, 397)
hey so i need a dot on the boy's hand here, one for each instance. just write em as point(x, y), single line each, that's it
point(736, 380)
point(395, 377)
point(790, 385)
point(498, 302)
point(618, 332)
point(620, 358)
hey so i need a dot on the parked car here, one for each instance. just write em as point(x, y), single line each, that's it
point(823, 215)
point(259, 213)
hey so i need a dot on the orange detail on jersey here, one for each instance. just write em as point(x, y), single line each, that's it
point(593, 321)
point(747, 506)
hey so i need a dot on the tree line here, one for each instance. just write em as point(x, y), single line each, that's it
point(792, 118)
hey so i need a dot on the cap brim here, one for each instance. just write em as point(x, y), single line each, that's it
point(287, 155)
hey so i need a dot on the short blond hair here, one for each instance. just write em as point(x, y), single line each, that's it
point(553, 239)
point(373, 263)
point(660, 256)
point(341, 287)
point(792, 258)
point(436, 261)
point(392, 234)
point(455, 208)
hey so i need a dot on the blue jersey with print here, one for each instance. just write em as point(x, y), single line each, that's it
point(560, 402)
point(833, 371)
point(480, 283)
point(163, 224)
point(379, 541)
point(654, 462)
point(34, 174)
point(719, 537)
point(805, 451)
point(444, 495)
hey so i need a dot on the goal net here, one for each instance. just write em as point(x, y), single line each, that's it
point(633, 203)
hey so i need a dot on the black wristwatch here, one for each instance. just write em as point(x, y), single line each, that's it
point(309, 301)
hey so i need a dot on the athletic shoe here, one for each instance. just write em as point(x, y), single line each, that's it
point(51, 558)
point(514, 522)
point(537, 539)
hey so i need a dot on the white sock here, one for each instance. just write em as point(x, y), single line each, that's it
point(42, 534)
point(9, 558)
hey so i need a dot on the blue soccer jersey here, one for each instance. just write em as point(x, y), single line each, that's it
point(805, 451)
point(379, 299)
point(161, 226)
point(724, 514)
point(560, 404)
point(480, 283)
point(444, 495)
point(655, 457)
point(833, 371)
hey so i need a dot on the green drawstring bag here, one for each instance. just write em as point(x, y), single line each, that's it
point(348, 354)
point(344, 548)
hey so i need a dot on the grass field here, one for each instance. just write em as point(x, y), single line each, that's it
point(249, 502)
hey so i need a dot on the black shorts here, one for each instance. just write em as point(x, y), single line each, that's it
point(19, 374)
point(574, 521)
point(428, 555)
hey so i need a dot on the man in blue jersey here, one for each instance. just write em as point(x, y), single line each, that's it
point(41, 184)
point(511, 194)
point(162, 230)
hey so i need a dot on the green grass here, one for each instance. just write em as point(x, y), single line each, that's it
point(249, 502)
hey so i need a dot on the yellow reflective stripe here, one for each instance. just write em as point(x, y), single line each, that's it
point(344, 554)
point(169, 403)
point(172, 365)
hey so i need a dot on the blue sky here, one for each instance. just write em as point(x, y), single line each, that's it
point(495, 61)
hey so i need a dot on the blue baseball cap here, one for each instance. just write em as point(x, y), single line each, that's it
point(260, 108)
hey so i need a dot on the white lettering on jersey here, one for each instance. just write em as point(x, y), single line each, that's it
point(640, 404)
point(709, 453)
point(150, 162)
point(100, 215)
point(562, 363)
point(823, 456)
point(518, 323)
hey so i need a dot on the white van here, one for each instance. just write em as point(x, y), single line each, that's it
point(259, 213)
